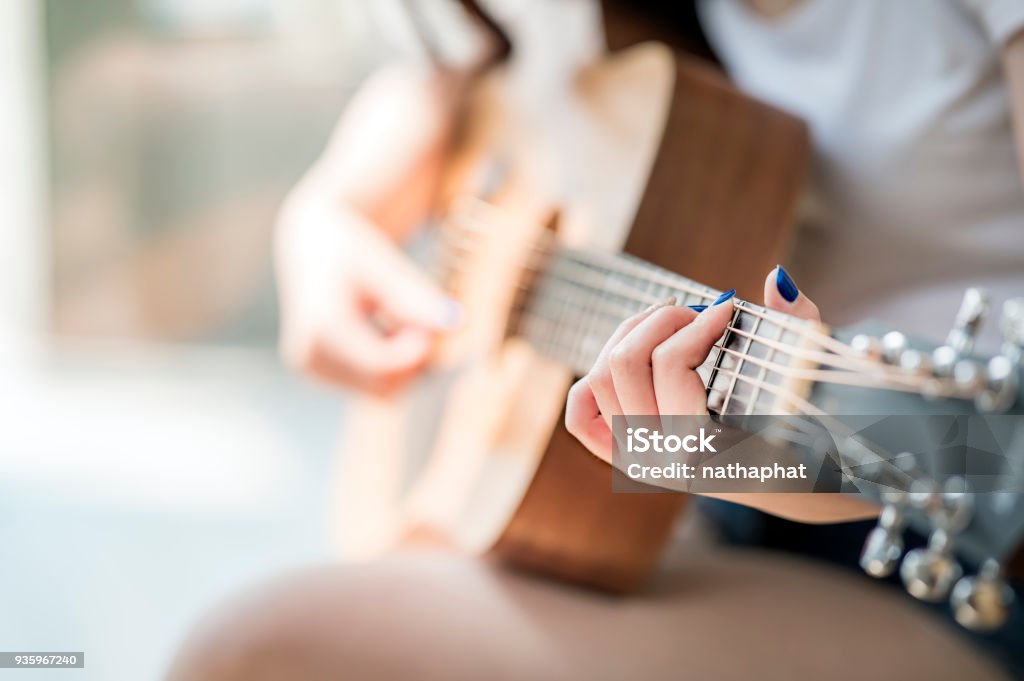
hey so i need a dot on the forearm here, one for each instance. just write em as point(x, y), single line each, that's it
point(387, 155)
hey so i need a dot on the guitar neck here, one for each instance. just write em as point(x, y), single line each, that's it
point(579, 297)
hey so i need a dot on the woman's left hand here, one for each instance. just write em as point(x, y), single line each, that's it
point(649, 364)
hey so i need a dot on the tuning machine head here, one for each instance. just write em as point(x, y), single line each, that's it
point(968, 320)
point(884, 545)
point(866, 346)
point(982, 602)
point(894, 344)
point(1012, 326)
point(930, 573)
point(1002, 373)
point(1001, 385)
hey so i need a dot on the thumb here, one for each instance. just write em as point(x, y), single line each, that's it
point(782, 294)
point(406, 294)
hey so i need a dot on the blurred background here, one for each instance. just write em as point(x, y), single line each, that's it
point(154, 456)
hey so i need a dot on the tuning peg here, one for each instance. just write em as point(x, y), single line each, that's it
point(924, 495)
point(968, 376)
point(866, 346)
point(943, 360)
point(968, 319)
point(929, 574)
point(884, 545)
point(956, 505)
point(1002, 373)
point(914, 362)
point(1012, 326)
point(1003, 381)
point(983, 602)
point(894, 344)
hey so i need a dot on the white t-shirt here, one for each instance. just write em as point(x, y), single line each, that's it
point(915, 169)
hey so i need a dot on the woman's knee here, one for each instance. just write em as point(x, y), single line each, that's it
point(423, 616)
point(259, 636)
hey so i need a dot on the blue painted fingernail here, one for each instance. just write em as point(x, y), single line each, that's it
point(784, 283)
point(697, 308)
point(724, 297)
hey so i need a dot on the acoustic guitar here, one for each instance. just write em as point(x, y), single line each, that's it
point(675, 145)
point(477, 456)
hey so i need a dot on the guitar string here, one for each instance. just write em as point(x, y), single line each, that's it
point(675, 282)
point(912, 383)
point(620, 263)
point(804, 330)
point(780, 370)
point(902, 382)
point(602, 291)
point(859, 365)
point(879, 371)
point(617, 262)
point(909, 384)
point(608, 264)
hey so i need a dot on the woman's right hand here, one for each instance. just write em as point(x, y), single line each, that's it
point(355, 310)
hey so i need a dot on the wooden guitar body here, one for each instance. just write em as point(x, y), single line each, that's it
point(649, 153)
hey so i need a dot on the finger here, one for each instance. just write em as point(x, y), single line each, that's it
point(782, 294)
point(405, 294)
point(599, 378)
point(349, 351)
point(630, 359)
point(631, 323)
point(678, 388)
point(584, 421)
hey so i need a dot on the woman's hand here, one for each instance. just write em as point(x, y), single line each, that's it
point(649, 364)
point(356, 312)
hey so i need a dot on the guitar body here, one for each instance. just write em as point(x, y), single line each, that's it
point(652, 154)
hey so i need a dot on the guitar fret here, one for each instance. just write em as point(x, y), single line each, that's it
point(740, 361)
point(762, 373)
point(589, 342)
point(570, 327)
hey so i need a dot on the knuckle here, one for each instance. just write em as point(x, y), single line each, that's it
point(621, 357)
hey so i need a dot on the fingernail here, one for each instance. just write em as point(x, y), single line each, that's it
point(724, 297)
point(452, 314)
point(784, 283)
point(697, 308)
point(671, 300)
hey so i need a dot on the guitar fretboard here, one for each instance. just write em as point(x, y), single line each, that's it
point(578, 299)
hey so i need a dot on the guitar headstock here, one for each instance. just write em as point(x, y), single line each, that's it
point(948, 442)
point(951, 370)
